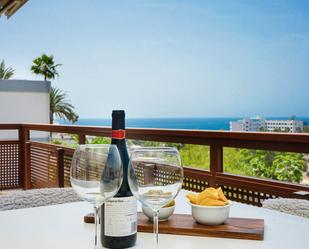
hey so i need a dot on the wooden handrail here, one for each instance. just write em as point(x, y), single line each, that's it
point(10, 126)
point(167, 135)
point(71, 129)
point(139, 133)
point(252, 140)
point(260, 183)
point(67, 150)
point(9, 141)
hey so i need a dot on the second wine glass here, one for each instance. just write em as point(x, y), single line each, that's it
point(155, 177)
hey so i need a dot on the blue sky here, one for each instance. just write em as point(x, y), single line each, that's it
point(168, 58)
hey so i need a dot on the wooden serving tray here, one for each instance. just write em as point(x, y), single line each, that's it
point(182, 224)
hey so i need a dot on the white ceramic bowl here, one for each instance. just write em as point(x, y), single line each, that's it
point(164, 213)
point(210, 215)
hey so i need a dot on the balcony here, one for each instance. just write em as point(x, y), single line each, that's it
point(29, 164)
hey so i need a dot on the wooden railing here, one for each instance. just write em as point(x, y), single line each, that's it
point(37, 164)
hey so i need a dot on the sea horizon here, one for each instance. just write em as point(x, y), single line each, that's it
point(195, 123)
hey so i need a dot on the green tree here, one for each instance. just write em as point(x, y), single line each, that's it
point(287, 129)
point(283, 166)
point(45, 65)
point(196, 156)
point(262, 129)
point(289, 167)
point(5, 73)
point(100, 140)
point(60, 107)
point(235, 162)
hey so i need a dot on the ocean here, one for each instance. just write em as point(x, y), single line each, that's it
point(173, 123)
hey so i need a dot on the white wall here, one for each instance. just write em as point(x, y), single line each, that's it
point(24, 102)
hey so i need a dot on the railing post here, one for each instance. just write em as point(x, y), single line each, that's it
point(27, 176)
point(81, 138)
point(60, 167)
point(216, 162)
point(24, 136)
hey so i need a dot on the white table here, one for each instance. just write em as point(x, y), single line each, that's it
point(62, 227)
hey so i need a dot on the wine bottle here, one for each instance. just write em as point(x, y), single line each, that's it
point(119, 214)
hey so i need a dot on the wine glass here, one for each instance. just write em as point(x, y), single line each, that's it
point(96, 176)
point(155, 177)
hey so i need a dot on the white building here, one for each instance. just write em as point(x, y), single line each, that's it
point(284, 125)
point(261, 124)
point(23, 101)
point(248, 124)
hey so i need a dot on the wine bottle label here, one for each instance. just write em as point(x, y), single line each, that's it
point(120, 215)
point(118, 134)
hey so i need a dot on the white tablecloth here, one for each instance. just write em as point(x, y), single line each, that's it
point(62, 227)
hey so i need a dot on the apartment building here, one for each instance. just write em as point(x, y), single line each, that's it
point(261, 124)
point(284, 125)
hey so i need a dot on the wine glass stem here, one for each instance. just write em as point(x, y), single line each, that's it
point(156, 226)
point(96, 224)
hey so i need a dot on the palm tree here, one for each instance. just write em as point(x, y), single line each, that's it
point(45, 65)
point(5, 73)
point(60, 107)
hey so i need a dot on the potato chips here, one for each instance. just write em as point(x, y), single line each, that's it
point(209, 197)
point(192, 198)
